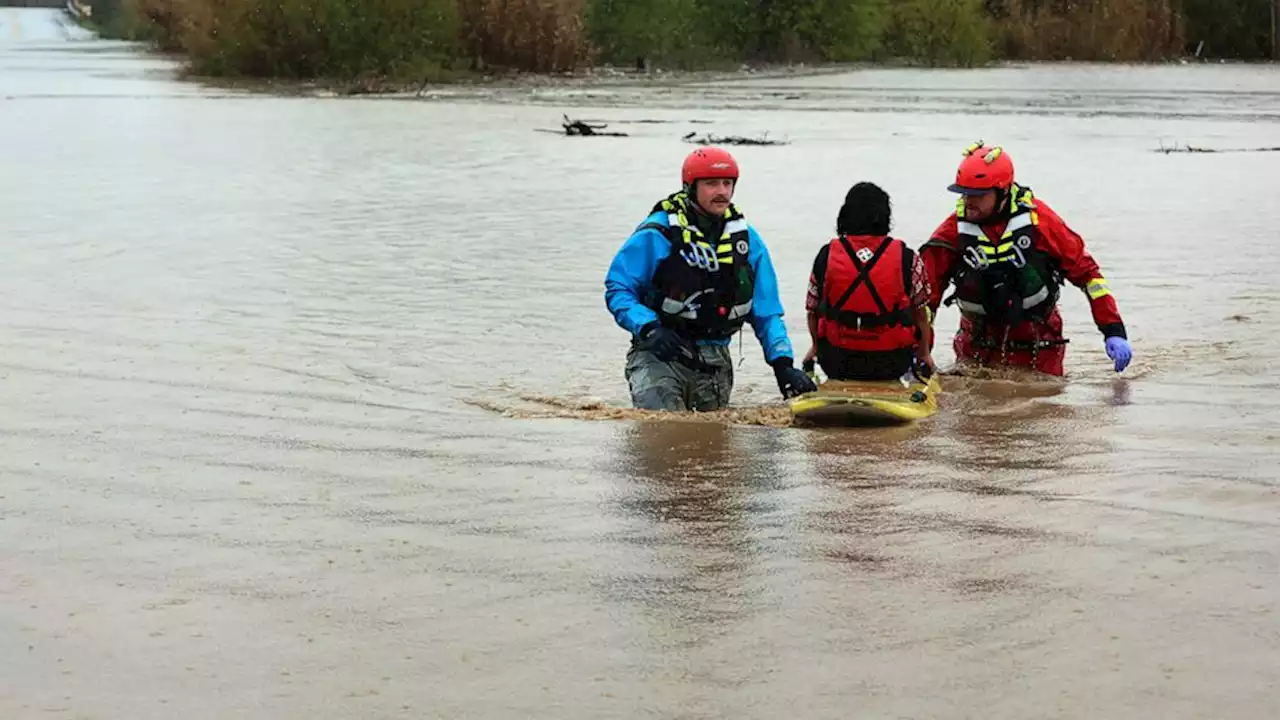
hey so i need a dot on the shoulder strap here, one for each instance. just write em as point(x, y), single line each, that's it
point(935, 242)
point(674, 201)
point(1020, 195)
point(848, 250)
point(864, 273)
point(908, 267)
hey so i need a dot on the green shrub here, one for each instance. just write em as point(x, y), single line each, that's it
point(940, 32)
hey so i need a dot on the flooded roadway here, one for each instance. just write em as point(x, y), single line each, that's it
point(252, 349)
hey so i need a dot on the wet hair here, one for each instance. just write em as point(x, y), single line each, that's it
point(865, 211)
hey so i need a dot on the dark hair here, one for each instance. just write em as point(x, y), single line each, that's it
point(865, 211)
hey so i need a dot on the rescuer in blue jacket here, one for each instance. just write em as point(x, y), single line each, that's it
point(685, 282)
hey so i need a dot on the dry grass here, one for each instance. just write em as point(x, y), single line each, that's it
point(356, 39)
point(1116, 30)
point(533, 35)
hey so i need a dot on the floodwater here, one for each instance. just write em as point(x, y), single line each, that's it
point(312, 408)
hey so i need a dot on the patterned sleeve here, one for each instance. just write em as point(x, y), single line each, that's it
point(816, 279)
point(920, 289)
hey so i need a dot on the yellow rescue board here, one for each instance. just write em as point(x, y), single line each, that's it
point(860, 403)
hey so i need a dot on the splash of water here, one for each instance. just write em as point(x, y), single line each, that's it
point(546, 406)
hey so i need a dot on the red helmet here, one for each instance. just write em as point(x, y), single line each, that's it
point(982, 170)
point(707, 163)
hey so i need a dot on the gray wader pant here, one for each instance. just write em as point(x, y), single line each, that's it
point(658, 385)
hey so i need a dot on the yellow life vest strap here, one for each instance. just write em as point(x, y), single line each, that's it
point(677, 217)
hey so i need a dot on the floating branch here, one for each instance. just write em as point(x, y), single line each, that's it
point(730, 140)
point(582, 129)
point(1192, 149)
point(655, 122)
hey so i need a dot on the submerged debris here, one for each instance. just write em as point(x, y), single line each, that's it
point(583, 129)
point(650, 121)
point(1192, 149)
point(731, 140)
point(596, 128)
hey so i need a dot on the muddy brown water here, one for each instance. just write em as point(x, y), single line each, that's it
point(312, 408)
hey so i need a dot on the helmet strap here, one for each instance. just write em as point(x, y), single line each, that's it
point(1003, 204)
point(691, 192)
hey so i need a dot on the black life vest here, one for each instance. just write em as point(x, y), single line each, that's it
point(1011, 280)
point(703, 289)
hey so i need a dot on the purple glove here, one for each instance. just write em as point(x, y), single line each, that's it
point(1118, 349)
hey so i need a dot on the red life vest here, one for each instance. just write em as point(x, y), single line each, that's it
point(866, 295)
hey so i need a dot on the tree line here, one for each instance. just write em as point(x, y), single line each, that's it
point(435, 39)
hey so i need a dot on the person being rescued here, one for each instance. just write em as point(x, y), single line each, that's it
point(1007, 253)
point(868, 297)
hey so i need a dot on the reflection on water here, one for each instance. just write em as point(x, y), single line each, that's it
point(689, 483)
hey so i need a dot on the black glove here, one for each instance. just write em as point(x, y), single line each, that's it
point(791, 380)
point(663, 342)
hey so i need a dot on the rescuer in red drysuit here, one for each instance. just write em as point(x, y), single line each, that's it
point(1007, 252)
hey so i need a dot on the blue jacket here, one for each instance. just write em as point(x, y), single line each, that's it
point(631, 275)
